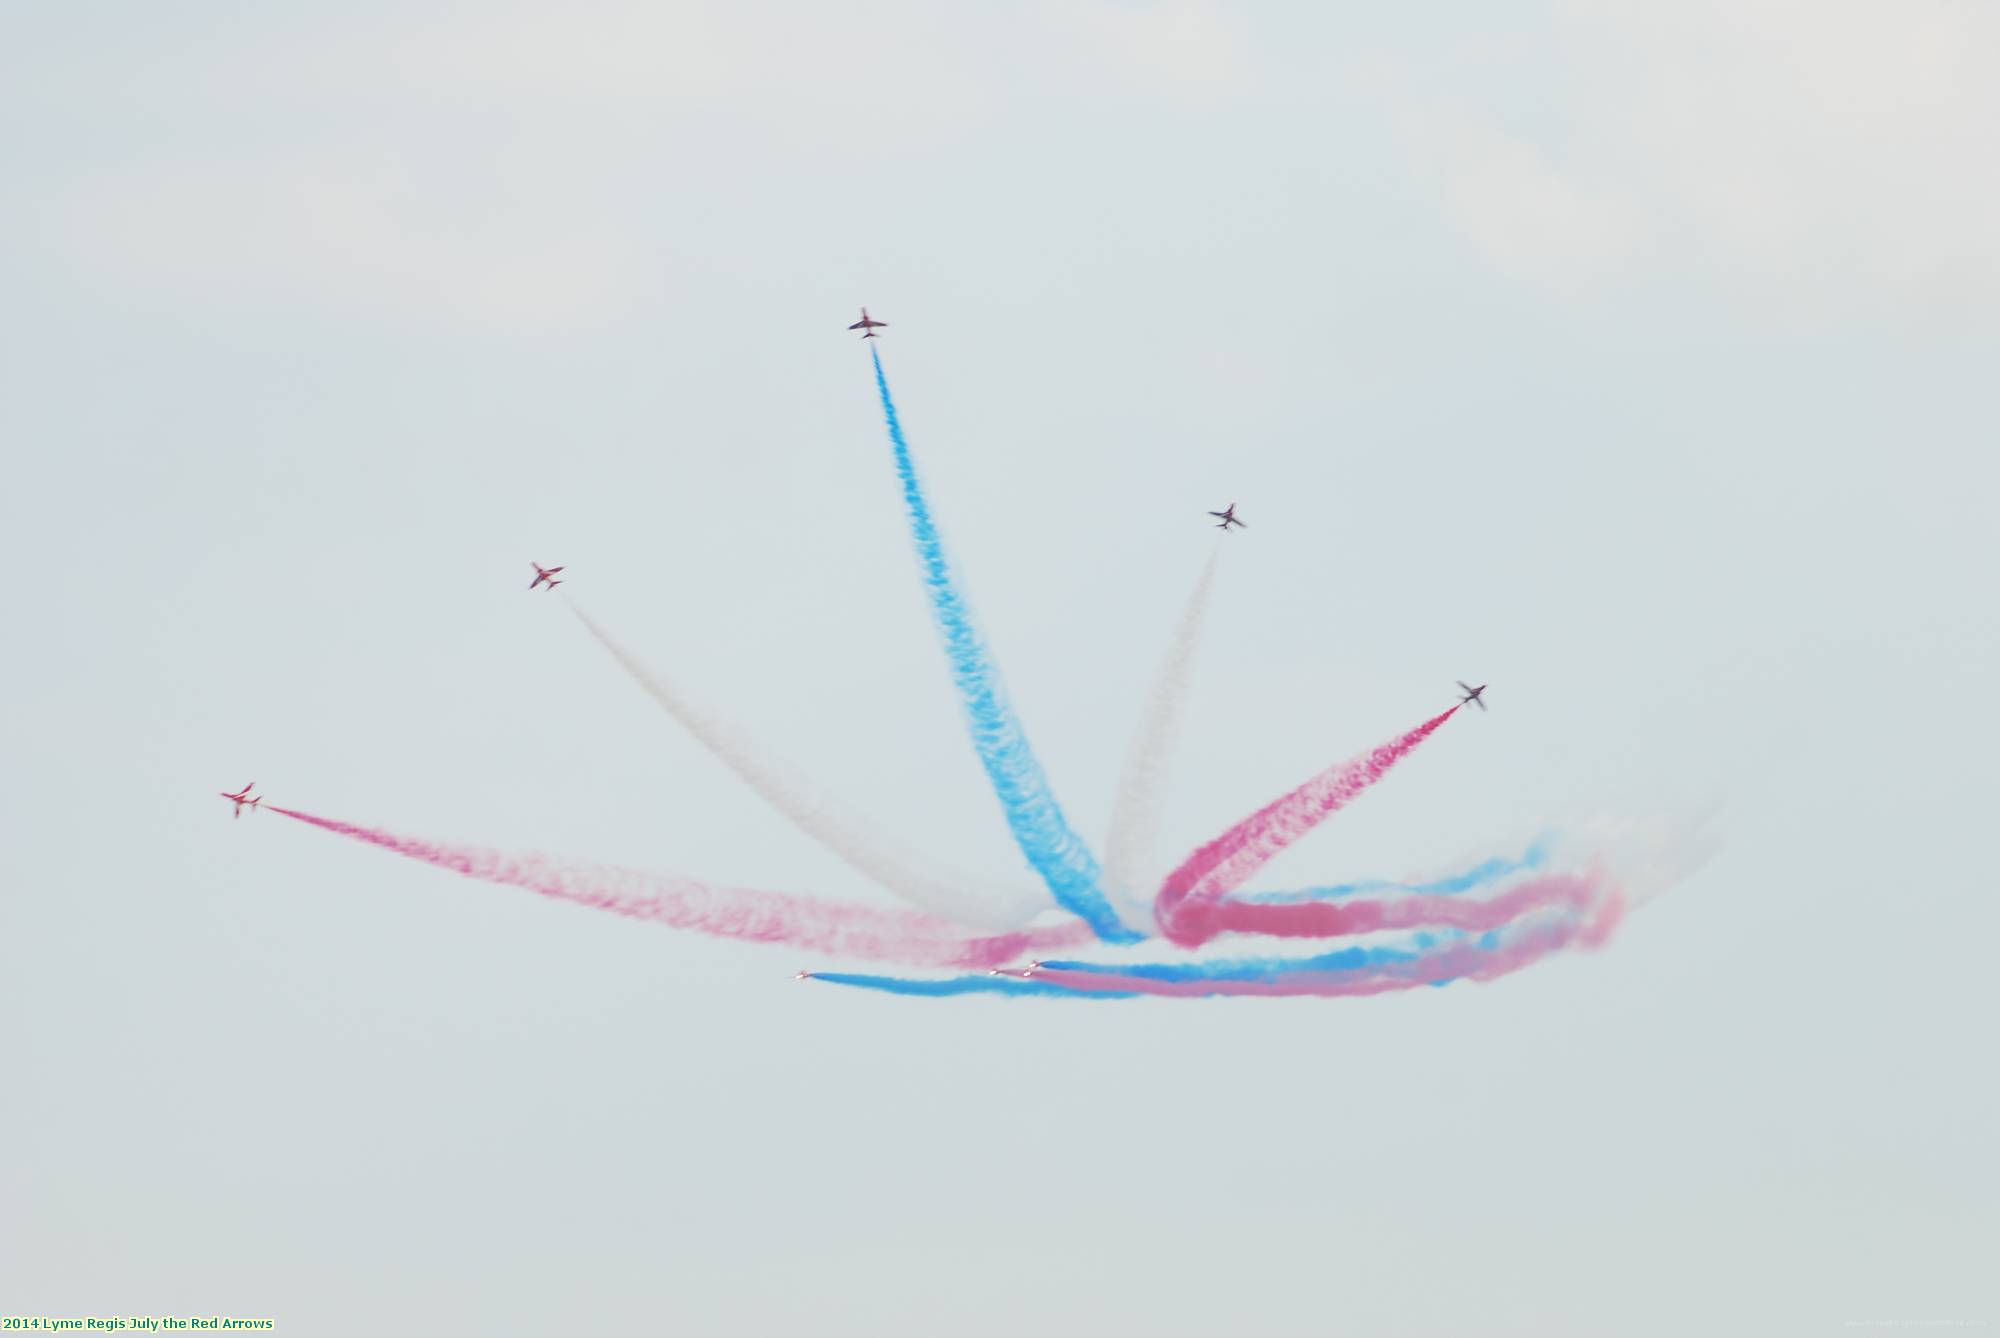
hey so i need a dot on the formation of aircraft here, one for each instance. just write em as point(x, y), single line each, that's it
point(243, 799)
point(544, 574)
point(1223, 520)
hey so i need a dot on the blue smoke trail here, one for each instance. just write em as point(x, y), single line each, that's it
point(1347, 960)
point(1014, 985)
point(1263, 968)
point(1354, 961)
point(1476, 877)
point(1057, 853)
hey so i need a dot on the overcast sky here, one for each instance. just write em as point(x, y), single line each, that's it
point(1636, 358)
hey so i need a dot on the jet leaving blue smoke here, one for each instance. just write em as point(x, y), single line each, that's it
point(1057, 853)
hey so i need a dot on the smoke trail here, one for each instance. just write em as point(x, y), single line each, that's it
point(1011, 985)
point(1492, 956)
point(1471, 880)
point(1225, 863)
point(905, 937)
point(1553, 913)
point(1349, 973)
point(1321, 919)
point(1130, 842)
point(1351, 959)
point(1044, 835)
point(816, 813)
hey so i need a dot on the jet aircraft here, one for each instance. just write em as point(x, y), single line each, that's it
point(1227, 517)
point(544, 574)
point(869, 325)
point(242, 799)
point(1472, 694)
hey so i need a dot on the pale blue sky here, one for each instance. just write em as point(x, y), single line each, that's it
point(1634, 358)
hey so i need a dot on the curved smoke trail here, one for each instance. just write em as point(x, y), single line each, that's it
point(1333, 919)
point(1044, 835)
point(1135, 813)
point(1187, 897)
point(906, 937)
point(991, 983)
point(1471, 880)
point(816, 813)
point(1349, 972)
point(1362, 971)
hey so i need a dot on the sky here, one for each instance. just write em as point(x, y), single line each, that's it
point(1635, 359)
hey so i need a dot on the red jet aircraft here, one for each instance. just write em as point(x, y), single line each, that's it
point(1471, 694)
point(242, 800)
point(544, 574)
point(1227, 517)
point(871, 326)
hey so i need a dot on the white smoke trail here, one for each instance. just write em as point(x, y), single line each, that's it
point(1644, 856)
point(904, 873)
point(1135, 814)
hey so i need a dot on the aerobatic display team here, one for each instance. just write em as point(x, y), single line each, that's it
point(1090, 930)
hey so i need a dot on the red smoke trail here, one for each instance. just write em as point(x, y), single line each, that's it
point(907, 937)
point(1328, 919)
point(1459, 962)
point(1224, 864)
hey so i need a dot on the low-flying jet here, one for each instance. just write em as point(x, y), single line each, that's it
point(1472, 694)
point(869, 325)
point(1227, 517)
point(544, 574)
point(242, 799)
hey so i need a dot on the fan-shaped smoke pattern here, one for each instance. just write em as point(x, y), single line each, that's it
point(1044, 835)
point(1444, 932)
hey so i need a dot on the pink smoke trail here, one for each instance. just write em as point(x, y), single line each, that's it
point(907, 937)
point(1224, 864)
point(1522, 948)
point(1327, 919)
